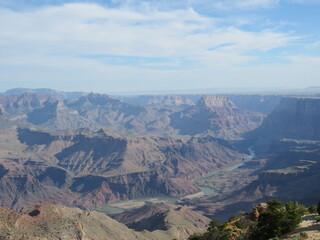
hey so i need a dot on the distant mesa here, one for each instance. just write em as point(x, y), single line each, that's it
point(218, 115)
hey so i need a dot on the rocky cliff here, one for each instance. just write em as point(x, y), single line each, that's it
point(86, 168)
point(216, 115)
point(257, 102)
point(293, 118)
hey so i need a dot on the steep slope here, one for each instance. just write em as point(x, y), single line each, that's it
point(57, 116)
point(287, 164)
point(109, 154)
point(57, 222)
point(18, 105)
point(293, 167)
point(217, 115)
point(86, 168)
point(293, 118)
point(256, 103)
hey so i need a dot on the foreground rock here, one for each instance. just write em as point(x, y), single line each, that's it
point(163, 218)
point(40, 222)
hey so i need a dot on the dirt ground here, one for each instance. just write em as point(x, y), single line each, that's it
point(308, 229)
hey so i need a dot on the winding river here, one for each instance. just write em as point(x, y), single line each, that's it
point(209, 191)
point(121, 206)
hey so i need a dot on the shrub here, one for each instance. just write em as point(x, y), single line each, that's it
point(313, 209)
point(214, 225)
point(278, 220)
point(317, 218)
point(294, 213)
point(304, 235)
point(244, 222)
point(195, 236)
point(318, 208)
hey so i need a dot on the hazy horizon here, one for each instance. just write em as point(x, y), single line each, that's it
point(263, 91)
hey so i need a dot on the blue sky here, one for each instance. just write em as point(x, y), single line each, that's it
point(128, 45)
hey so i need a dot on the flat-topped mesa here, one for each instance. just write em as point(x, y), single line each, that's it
point(213, 102)
point(23, 103)
point(26, 100)
point(310, 105)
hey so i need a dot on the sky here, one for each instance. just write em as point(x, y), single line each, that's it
point(159, 45)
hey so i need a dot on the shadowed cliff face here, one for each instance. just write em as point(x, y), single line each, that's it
point(256, 103)
point(218, 115)
point(296, 118)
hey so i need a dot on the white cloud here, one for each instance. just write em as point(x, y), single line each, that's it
point(77, 29)
point(53, 42)
point(244, 4)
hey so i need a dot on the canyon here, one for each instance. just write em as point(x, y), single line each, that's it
point(88, 150)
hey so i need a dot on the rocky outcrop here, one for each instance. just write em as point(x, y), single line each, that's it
point(58, 222)
point(179, 222)
point(216, 115)
point(257, 210)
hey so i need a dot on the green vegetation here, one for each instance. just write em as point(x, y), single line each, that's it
point(317, 218)
point(304, 235)
point(278, 220)
point(272, 221)
point(313, 209)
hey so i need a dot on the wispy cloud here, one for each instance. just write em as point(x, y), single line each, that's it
point(75, 29)
point(138, 39)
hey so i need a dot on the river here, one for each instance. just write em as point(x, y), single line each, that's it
point(122, 206)
point(209, 191)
